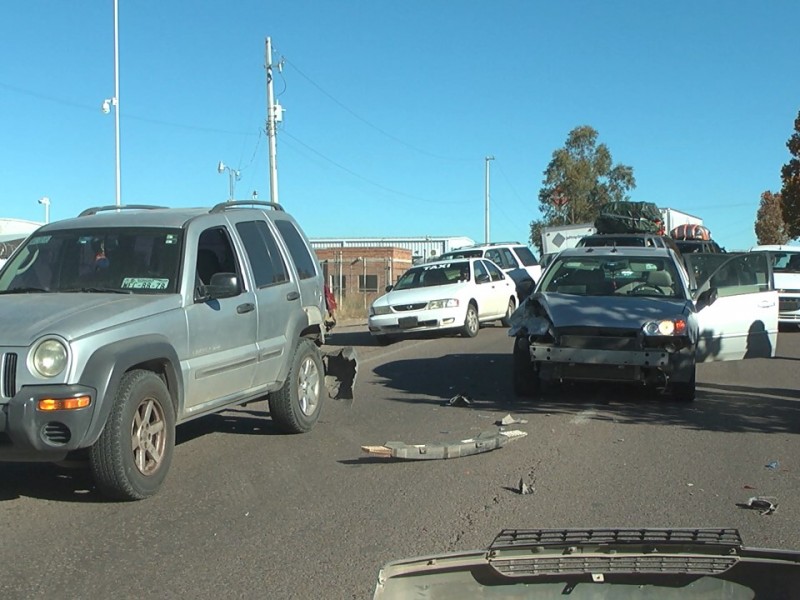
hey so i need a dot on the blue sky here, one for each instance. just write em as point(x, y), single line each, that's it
point(391, 107)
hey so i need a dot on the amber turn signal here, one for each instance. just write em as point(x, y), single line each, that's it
point(49, 404)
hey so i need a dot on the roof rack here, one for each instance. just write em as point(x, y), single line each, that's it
point(223, 206)
point(96, 209)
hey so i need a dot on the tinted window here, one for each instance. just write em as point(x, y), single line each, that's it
point(262, 253)
point(306, 265)
point(525, 256)
point(480, 270)
point(495, 273)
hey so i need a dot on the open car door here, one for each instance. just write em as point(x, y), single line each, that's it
point(742, 321)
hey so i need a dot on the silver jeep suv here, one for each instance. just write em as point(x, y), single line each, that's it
point(121, 323)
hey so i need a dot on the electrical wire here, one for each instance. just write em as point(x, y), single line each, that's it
point(368, 123)
point(369, 181)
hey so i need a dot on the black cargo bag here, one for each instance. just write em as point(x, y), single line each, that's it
point(629, 217)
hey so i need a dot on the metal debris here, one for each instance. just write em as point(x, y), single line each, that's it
point(460, 400)
point(766, 505)
point(484, 442)
point(509, 420)
point(341, 369)
point(772, 465)
point(524, 488)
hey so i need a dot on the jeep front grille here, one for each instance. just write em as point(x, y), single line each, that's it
point(8, 375)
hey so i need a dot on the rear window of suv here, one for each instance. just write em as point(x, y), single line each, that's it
point(525, 256)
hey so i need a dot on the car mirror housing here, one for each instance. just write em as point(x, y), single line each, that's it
point(482, 278)
point(389, 288)
point(707, 298)
point(223, 285)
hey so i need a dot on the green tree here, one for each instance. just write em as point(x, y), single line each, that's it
point(769, 226)
point(579, 179)
point(790, 192)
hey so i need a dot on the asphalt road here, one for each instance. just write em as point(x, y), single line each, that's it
point(249, 513)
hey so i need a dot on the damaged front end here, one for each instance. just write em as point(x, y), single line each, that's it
point(596, 345)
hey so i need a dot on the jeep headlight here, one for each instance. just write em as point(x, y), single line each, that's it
point(446, 303)
point(665, 327)
point(381, 310)
point(50, 358)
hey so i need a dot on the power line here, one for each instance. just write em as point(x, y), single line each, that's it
point(127, 115)
point(369, 181)
point(368, 123)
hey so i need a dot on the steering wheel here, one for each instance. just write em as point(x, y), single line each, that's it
point(649, 287)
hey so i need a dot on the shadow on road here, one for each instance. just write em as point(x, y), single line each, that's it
point(486, 379)
point(74, 483)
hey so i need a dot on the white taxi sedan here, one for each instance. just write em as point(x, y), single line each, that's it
point(455, 294)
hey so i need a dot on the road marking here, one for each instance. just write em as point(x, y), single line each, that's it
point(583, 417)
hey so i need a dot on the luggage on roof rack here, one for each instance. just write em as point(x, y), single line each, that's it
point(629, 217)
point(690, 231)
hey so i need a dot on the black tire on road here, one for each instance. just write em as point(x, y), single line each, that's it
point(512, 306)
point(683, 391)
point(296, 406)
point(525, 377)
point(383, 340)
point(471, 323)
point(131, 458)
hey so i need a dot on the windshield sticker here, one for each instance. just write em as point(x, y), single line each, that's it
point(144, 283)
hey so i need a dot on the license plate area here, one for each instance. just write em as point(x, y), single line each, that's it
point(407, 322)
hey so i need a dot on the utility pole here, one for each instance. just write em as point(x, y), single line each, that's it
point(273, 116)
point(486, 203)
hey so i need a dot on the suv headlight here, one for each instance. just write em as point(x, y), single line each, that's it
point(49, 358)
point(447, 303)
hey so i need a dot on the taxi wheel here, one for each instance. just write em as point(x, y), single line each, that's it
point(512, 306)
point(471, 323)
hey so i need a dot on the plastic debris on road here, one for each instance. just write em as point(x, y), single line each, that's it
point(460, 400)
point(766, 505)
point(510, 420)
point(772, 465)
point(484, 442)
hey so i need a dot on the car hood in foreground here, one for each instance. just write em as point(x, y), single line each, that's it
point(26, 317)
point(627, 563)
point(421, 294)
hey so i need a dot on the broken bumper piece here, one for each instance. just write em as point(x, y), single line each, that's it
point(484, 442)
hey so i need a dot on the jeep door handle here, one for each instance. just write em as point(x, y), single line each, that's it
point(293, 295)
point(245, 308)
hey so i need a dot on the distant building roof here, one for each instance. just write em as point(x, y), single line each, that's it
point(14, 229)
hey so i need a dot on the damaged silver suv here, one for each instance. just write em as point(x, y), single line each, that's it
point(119, 324)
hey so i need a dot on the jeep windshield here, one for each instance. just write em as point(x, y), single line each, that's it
point(117, 260)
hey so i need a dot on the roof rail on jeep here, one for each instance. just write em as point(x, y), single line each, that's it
point(223, 206)
point(96, 209)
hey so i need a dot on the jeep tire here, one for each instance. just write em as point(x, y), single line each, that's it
point(296, 406)
point(132, 456)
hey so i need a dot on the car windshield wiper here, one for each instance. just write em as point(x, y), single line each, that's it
point(96, 290)
point(25, 290)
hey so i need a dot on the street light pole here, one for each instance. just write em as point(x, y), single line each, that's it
point(114, 100)
point(45, 201)
point(233, 176)
point(486, 201)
